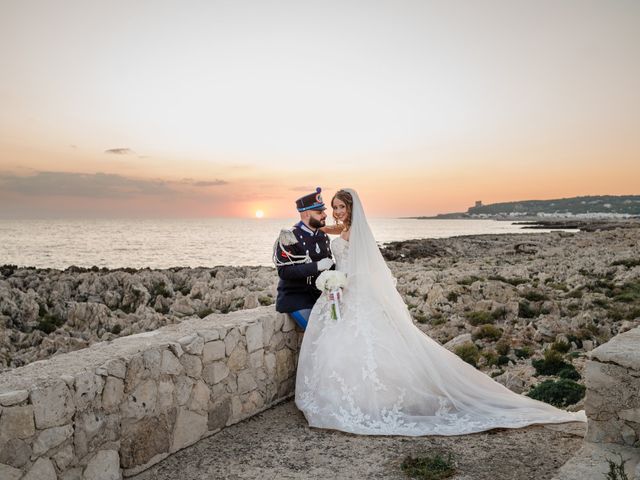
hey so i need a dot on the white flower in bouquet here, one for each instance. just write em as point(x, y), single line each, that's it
point(332, 282)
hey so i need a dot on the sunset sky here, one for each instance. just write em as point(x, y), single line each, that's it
point(220, 108)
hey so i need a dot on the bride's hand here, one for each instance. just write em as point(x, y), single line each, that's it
point(333, 229)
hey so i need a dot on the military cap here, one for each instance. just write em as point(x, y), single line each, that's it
point(313, 201)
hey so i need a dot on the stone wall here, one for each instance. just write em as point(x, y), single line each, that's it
point(612, 401)
point(118, 407)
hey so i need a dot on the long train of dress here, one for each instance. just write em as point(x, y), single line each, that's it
point(370, 373)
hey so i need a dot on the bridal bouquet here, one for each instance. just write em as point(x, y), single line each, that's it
point(332, 282)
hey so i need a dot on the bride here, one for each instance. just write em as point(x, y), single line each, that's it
point(374, 372)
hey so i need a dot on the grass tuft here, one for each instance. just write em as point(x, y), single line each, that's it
point(430, 467)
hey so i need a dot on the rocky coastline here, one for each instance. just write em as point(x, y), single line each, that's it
point(524, 308)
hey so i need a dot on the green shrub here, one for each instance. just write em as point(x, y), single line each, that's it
point(420, 317)
point(469, 280)
point(491, 357)
point(524, 352)
point(577, 293)
point(633, 313)
point(468, 352)
point(487, 331)
point(498, 278)
point(534, 296)
point(559, 286)
point(561, 346)
point(49, 323)
point(161, 289)
point(551, 364)
point(499, 313)
point(116, 329)
point(503, 347)
point(569, 372)
point(432, 467)
point(511, 281)
point(265, 300)
point(627, 293)
point(479, 318)
point(560, 393)
point(525, 310)
point(452, 297)
point(600, 302)
point(502, 360)
point(628, 262)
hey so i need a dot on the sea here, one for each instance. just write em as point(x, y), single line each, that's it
point(189, 242)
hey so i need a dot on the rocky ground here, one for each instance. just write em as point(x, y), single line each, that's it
point(521, 307)
point(279, 444)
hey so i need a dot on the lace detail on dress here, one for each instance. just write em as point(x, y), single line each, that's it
point(340, 251)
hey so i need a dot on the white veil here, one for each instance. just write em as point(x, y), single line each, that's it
point(374, 372)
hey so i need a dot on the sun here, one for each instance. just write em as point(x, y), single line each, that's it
point(259, 214)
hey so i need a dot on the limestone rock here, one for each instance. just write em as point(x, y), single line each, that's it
point(105, 465)
point(170, 364)
point(16, 423)
point(190, 427)
point(9, 473)
point(64, 457)
point(215, 372)
point(112, 394)
point(199, 401)
point(152, 362)
point(88, 387)
point(238, 359)
point(284, 364)
point(142, 401)
point(213, 351)
point(231, 340)
point(50, 438)
point(192, 365)
point(143, 440)
point(256, 359)
point(72, 474)
point(93, 430)
point(254, 337)
point(183, 389)
point(116, 368)
point(622, 350)
point(246, 382)
point(12, 398)
point(15, 453)
point(166, 391)
point(52, 405)
point(219, 413)
point(43, 469)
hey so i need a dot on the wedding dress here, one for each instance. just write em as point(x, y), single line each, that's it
point(374, 372)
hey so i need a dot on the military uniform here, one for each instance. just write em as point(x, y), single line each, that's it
point(297, 286)
point(296, 254)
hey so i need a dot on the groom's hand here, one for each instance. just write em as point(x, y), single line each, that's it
point(325, 264)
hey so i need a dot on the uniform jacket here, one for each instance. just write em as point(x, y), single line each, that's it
point(297, 285)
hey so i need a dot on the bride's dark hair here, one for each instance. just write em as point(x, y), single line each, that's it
point(346, 197)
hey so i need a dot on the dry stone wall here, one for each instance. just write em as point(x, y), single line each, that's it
point(118, 407)
point(612, 401)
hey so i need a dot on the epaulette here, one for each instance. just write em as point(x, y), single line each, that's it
point(287, 237)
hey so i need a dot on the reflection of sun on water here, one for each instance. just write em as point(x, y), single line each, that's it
point(259, 214)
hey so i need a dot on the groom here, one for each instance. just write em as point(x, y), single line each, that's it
point(300, 254)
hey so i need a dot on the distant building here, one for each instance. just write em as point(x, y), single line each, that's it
point(478, 203)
